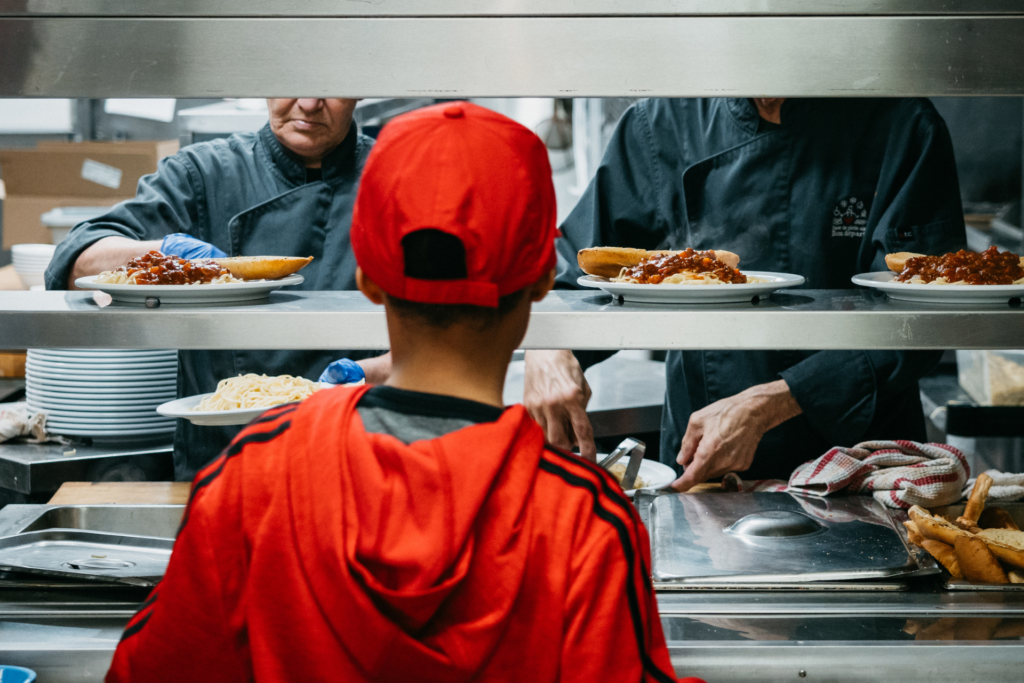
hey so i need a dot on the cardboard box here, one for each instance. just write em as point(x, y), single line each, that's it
point(58, 174)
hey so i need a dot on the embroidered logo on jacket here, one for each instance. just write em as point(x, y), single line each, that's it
point(850, 218)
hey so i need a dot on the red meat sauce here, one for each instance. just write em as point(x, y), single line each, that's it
point(990, 267)
point(654, 269)
point(155, 268)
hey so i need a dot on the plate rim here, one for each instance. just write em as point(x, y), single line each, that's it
point(89, 282)
point(787, 280)
point(865, 280)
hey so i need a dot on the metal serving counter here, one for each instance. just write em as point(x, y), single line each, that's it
point(798, 319)
point(475, 48)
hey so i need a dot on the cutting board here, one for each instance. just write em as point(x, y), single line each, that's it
point(122, 493)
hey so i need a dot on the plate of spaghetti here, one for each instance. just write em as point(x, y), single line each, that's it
point(174, 280)
point(961, 277)
point(689, 276)
point(239, 400)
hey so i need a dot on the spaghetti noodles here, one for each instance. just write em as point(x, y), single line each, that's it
point(257, 391)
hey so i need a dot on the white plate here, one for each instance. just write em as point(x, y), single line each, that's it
point(73, 414)
point(102, 368)
point(230, 292)
point(182, 408)
point(111, 423)
point(93, 396)
point(118, 387)
point(83, 408)
point(161, 361)
point(102, 355)
point(695, 294)
point(112, 434)
point(939, 294)
point(655, 474)
point(123, 377)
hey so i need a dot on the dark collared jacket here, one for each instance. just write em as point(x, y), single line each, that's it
point(249, 196)
point(826, 195)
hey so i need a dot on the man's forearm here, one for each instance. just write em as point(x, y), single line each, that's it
point(107, 254)
point(773, 403)
point(377, 369)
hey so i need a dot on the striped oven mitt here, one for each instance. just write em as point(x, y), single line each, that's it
point(899, 474)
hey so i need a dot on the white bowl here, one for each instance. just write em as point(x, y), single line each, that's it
point(32, 279)
point(38, 250)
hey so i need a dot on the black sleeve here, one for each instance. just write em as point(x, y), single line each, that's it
point(165, 202)
point(920, 196)
point(620, 207)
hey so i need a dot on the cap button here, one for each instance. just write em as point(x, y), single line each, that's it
point(454, 112)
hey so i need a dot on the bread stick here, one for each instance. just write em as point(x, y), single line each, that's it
point(967, 525)
point(935, 528)
point(945, 555)
point(977, 562)
point(979, 494)
point(914, 534)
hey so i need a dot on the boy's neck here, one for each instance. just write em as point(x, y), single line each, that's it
point(448, 362)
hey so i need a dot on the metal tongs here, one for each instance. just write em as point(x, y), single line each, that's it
point(635, 448)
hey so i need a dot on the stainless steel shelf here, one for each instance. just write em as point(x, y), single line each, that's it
point(458, 54)
point(800, 319)
point(431, 8)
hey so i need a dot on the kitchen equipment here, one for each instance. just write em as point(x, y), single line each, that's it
point(16, 674)
point(90, 555)
point(992, 378)
point(636, 456)
point(695, 294)
point(772, 538)
point(61, 219)
point(30, 262)
point(627, 446)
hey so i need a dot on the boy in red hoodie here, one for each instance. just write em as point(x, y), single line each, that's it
point(416, 531)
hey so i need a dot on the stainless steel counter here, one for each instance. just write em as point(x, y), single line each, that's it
point(68, 634)
point(42, 468)
point(799, 319)
point(402, 48)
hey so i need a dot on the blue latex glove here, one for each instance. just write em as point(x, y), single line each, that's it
point(188, 247)
point(343, 371)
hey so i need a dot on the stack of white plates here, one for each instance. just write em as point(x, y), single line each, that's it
point(30, 262)
point(108, 395)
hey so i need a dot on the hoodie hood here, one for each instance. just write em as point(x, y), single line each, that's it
point(415, 553)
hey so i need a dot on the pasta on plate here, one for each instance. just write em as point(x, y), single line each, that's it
point(257, 391)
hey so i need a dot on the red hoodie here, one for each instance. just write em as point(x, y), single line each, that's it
point(312, 550)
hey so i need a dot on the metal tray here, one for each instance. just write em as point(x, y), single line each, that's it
point(89, 555)
point(1016, 511)
point(733, 539)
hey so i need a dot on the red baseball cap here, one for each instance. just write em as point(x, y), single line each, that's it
point(455, 206)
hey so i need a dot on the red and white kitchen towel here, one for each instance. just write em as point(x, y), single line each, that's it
point(899, 474)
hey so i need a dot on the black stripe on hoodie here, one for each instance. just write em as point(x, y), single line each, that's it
point(627, 548)
point(213, 470)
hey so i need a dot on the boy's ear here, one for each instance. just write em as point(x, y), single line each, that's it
point(370, 289)
point(541, 287)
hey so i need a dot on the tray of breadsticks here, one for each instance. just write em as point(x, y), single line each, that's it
point(981, 547)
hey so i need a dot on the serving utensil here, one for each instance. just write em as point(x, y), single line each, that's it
point(635, 448)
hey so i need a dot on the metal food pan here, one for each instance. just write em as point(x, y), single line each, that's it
point(88, 555)
point(1016, 511)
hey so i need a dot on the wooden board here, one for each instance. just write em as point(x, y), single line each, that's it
point(122, 493)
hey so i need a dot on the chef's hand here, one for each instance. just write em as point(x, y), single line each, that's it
point(723, 436)
point(188, 247)
point(556, 394)
point(342, 371)
point(373, 370)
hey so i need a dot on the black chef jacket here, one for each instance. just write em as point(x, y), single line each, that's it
point(826, 195)
point(249, 196)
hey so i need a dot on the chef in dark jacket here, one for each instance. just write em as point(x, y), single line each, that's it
point(822, 188)
point(286, 190)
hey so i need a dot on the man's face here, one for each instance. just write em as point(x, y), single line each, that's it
point(310, 128)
